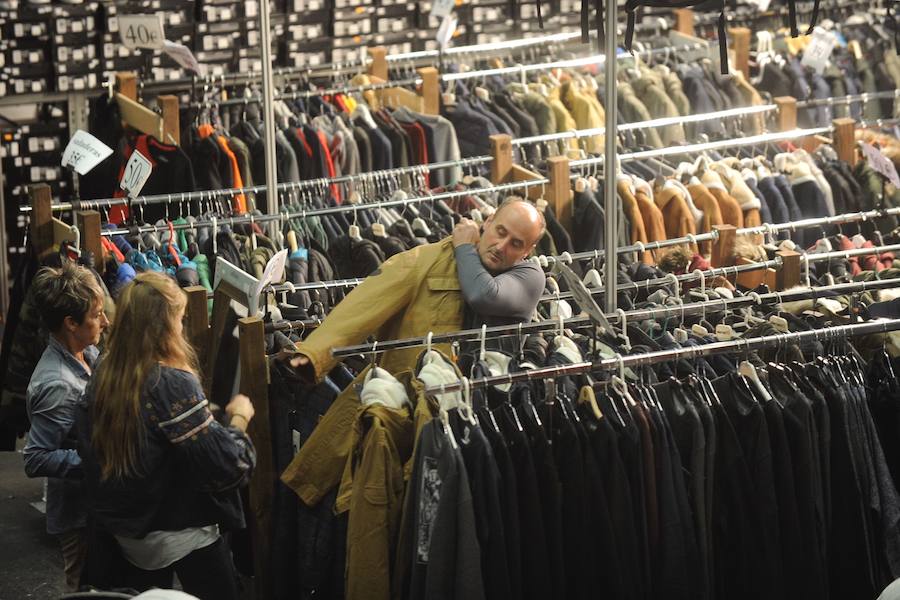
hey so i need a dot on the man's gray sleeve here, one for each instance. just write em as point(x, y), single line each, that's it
point(513, 293)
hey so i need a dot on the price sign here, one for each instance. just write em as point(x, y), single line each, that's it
point(880, 163)
point(445, 31)
point(137, 171)
point(442, 8)
point(84, 152)
point(142, 31)
point(819, 50)
point(182, 55)
point(274, 271)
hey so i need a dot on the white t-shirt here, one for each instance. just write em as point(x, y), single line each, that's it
point(159, 549)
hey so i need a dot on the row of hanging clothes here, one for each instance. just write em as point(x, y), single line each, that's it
point(737, 474)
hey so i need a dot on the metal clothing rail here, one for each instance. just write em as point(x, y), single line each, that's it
point(651, 124)
point(281, 187)
point(878, 123)
point(865, 97)
point(703, 147)
point(650, 358)
point(249, 220)
point(597, 59)
point(685, 309)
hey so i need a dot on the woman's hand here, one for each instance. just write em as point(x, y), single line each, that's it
point(240, 411)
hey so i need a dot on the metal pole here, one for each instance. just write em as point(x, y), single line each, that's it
point(268, 114)
point(609, 173)
point(4, 248)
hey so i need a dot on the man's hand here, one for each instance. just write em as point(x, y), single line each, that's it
point(466, 232)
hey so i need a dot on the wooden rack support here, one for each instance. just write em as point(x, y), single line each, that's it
point(684, 21)
point(723, 248)
point(740, 43)
point(501, 153)
point(431, 90)
point(378, 66)
point(89, 232)
point(789, 273)
point(254, 383)
point(845, 139)
point(168, 106)
point(787, 112)
point(197, 323)
point(126, 84)
point(41, 225)
point(559, 192)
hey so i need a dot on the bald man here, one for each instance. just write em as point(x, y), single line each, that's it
point(477, 275)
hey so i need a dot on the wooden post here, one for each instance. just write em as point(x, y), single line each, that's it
point(379, 66)
point(255, 384)
point(845, 139)
point(89, 230)
point(197, 325)
point(171, 123)
point(740, 43)
point(41, 224)
point(789, 273)
point(501, 152)
point(723, 248)
point(684, 21)
point(431, 91)
point(126, 84)
point(559, 192)
point(787, 113)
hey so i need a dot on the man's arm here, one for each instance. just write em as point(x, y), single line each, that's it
point(52, 416)
point(514, 293)
point(381, 296)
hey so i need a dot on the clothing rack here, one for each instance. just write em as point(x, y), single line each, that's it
point(649, 358)
point(684, 309)
point(837, 100)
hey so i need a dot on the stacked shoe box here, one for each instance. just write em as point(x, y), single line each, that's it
point(25, 54)
point(178, 25)
point(249, 39)
point(353, 27)
point(30, 153)
point(307, 33)
point(75, 43)
point(396, 26)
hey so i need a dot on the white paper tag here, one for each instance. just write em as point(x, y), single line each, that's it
point(137, 171)
point(142, 31)
point(274, 271)
point(819, 50)
point(442, 8)
point(84, 152)
point(763, 5)
point(880, 163)
point(182, 55)
point(446, 30)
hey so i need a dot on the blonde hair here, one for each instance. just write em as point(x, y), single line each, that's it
point(144, 334)
point(67, 291)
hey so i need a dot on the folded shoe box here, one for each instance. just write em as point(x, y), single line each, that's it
point(309, 53)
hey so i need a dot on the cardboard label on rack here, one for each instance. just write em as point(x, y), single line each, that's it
point(274, 271)
point(442, 8)
point(182, 55)
point(445, 31)
point(142, 31)
point(137, 172)
point(819, 50)
point(880, 163)
point(84, 152)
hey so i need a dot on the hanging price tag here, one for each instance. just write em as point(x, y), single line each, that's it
point(446, 30)
point(84, 152)
point(880, 163)
point(137, 171)
point(274, 271)
point(182, 55)
point(442, 8)
point(142, 31)
point(763, 5)
point(819, 50)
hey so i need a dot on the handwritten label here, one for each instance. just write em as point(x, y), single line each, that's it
point(819, 50)
point(142, 31)
point(445, 31)
point(137, 171)
point(442, 8)
point(880, 163)
point(182, 55)
point(274, 271)
point(84, 152)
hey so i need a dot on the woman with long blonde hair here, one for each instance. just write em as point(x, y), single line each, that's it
point(163, 474)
